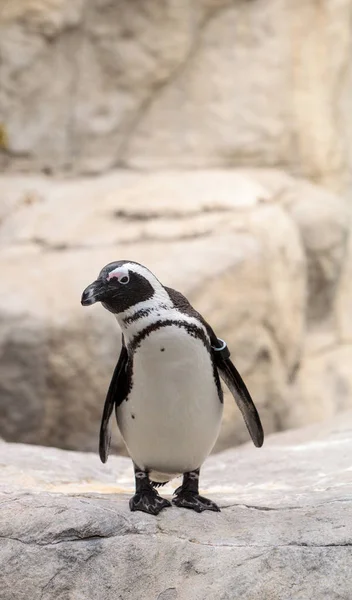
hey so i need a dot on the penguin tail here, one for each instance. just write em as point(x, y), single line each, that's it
point(157, 484)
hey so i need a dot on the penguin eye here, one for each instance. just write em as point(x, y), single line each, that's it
point(124, 279)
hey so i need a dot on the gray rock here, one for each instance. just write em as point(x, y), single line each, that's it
point(284, 531)
point(211, 83)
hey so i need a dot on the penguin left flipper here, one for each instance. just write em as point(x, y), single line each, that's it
point(117, 392)
point(238, 389)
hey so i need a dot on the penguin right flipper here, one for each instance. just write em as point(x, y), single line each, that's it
point(117, 393)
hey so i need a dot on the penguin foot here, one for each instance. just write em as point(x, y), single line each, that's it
point(188, 499)
point(148, 501)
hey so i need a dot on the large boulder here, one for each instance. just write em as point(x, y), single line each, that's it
point(214, 245)
point(343, 304)
point(227, 239)
point(284, 530)
point(243, 246)
point(323, 385)
point(195, 84)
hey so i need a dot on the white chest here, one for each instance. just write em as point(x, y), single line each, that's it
point(172, 417)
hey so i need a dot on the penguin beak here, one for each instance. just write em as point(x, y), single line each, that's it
point(91, 293)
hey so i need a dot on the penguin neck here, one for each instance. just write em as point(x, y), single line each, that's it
point(140, 315)
point(156, 310)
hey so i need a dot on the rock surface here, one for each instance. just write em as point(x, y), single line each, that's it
point(284, 531)
point(244, 246)
point(197, 84)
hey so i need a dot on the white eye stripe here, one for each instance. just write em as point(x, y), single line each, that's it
point(121, 274)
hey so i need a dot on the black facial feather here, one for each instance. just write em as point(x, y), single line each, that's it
point(118, 297)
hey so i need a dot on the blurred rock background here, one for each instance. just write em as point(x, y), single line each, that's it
point(210, 140)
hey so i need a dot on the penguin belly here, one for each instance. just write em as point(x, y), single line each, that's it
point(171, 418)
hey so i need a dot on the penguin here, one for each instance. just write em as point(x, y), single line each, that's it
point(166, 387)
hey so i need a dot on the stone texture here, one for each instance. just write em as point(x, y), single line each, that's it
point(323, 386)
point(324, 223)
point(197, 84)
point(246, 279)
point(284, 530)
point(322, 75)
point(343, 312)
point(245, 247)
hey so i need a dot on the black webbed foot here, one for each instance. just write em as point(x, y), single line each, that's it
point(187, 496)
point(146, 498)
point(148, 502)
point(194, 501)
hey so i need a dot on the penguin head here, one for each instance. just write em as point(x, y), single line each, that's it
point(120, 285)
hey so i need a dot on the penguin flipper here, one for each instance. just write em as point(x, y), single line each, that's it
point(227, 371)
point(236, 385)
point(238, 389)
point(116, 394)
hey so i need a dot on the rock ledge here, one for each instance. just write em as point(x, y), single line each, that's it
point(284, 531)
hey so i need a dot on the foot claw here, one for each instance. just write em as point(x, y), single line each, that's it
point(194, 502)
point(149, 502)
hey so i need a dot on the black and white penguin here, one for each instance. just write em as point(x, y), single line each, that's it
point(165, 387)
